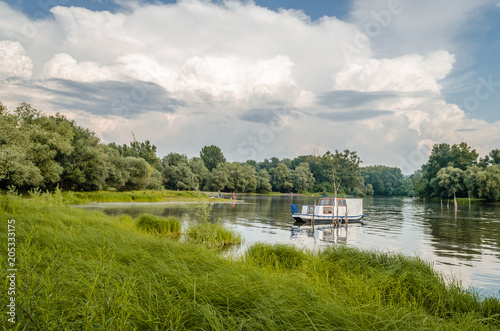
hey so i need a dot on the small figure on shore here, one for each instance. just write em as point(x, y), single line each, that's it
point(233, 197)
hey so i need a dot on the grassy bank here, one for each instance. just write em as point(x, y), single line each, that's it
point(84, 270)
point(80, 198)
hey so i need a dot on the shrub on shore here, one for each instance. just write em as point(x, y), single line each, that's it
point(212, 235)
point(169, 226)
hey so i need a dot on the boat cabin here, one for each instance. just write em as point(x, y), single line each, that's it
point(328, 208)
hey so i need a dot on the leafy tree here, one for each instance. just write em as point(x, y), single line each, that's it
point(264, 182)
point(155, 180)
point(281, 178)
point(181, 177)
point(201, 172)
point(483, 183)
point(242, 178)
point(85, 166)
point(139, 173)
point(449, 181)
point(144, 150)
point(459, 156)
point(212, 156)
point(219, 177)
point(490, 185)
point(303, 179)
point(387, 181)
point(174, 159)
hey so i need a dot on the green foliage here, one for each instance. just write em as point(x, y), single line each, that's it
point(387, 181)
point(454, 171)
point(169, 226)
point(448, 182)
point(144, 150)
point(303, 179)
point(49, 151)
point(281, 178)
point(483, 183)
point(84, 270)
point(459, 156)
point(219, 177)
point(264, 182)
point(212, 156)
point(242, 178)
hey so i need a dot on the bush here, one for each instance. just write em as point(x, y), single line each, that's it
point(158, 225)
point(212, 235)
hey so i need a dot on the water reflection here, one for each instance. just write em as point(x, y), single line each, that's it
point(465, 244)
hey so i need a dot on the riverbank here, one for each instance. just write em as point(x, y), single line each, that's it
point(81, 269)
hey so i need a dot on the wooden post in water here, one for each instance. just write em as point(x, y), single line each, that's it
point(441, 204)
point(346, 219)
point(314, 211)
point(455, 201)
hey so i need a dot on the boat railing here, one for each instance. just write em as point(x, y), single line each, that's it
point(344, 196)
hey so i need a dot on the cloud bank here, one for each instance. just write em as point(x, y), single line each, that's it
point(256, 82)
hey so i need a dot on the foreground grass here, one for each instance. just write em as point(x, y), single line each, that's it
point(83, 270)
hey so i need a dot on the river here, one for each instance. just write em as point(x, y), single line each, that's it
point(464, 245)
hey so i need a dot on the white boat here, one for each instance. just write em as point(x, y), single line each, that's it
point(329, 209)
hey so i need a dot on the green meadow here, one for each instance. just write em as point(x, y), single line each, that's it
point(83, 270)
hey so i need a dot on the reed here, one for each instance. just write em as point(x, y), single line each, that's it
point(83, 270)
point(211, 235)
point(169, 226)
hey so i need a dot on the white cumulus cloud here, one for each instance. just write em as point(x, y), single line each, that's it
point(13, 60)
point(406, 73)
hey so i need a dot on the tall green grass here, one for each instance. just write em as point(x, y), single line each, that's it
point(169, 226)
point(132, 196)
point(211, 235)
point(83, 270)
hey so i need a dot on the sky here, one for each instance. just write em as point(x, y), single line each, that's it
point(264, 78)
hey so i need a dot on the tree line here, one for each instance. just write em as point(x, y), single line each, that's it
point(41, 151)
point(457, 171)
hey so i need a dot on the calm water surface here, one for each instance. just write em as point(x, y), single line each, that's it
point(465, 245)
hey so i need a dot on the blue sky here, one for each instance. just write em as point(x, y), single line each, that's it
point(264, 78)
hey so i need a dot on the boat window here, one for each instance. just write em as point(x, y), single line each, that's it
point(341, 202)
point(310, 210)
point(327, 210)
point(325, 202)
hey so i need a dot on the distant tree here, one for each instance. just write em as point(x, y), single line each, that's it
point(174, 159)
point(495, 157)
point(219, 177)
point(85, 166)
point(459, 156)
point(303, 179)
point(201, 172)
point(253, 163)
point(281, 178)
point(139, 172)
point(483, 183)
point(242, 178)
point(386, 181)
point(181, 177)
point(212, 156)
point(449, 181)
point(264, 182)
point(490, 185)
point(144, 150)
